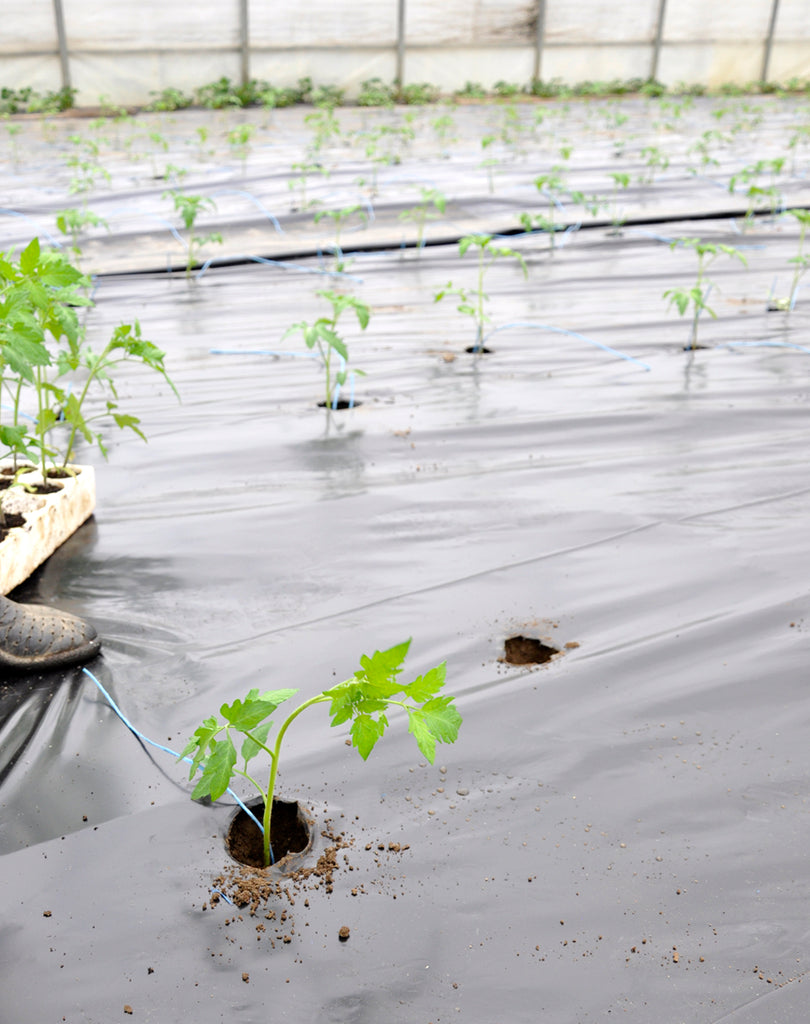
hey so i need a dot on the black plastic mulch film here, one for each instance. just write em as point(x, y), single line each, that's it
point(620, 830)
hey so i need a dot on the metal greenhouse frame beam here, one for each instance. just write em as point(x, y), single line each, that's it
point(244, 42)
point(659, 35)
point(400, 69)
point(766, 57)
point(539, 39)
point(61, 36)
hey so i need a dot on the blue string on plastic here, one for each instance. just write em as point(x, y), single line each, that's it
point(168, 750)
point(571, 334)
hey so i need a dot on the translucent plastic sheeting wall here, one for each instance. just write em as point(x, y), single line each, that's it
point(123, 51)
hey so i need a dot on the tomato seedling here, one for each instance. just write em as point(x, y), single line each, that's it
point(801, 262)
point(322, 335)
point(364, 700)
point(73, 222)
point(239, 141)
point(696, 296)
point(422, 212)
point(42, 343)
point(339, 218)
point(189, 208)
point(472, 303)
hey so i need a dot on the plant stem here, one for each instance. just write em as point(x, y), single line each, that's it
point(98, 366)
point(799, 268)
point(40, 433)
point(271, 785)
point(479, 341)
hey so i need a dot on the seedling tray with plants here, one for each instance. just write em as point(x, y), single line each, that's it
point(618, 827)
point(44, 516)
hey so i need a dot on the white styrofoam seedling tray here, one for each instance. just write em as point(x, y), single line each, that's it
point(55, 517)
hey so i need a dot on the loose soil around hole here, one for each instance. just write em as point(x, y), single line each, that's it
point(526, 650)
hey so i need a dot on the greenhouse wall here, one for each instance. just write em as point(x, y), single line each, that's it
point(124, 51)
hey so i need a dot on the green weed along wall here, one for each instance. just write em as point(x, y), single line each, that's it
point(124, 50)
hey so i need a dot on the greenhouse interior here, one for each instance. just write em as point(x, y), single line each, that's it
point(421, 392)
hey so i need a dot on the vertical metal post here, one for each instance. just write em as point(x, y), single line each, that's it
point(539, 39)
point(766, 58)
point(399, 77)
point(244, 42)
point(61, 35)
point(659, 35)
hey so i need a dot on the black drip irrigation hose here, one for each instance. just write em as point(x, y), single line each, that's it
point(454, 239)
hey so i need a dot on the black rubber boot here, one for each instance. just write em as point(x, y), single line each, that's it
point(34, 638)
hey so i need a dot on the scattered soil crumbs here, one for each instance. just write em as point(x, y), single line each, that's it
point(268, 899)
point(254, 889)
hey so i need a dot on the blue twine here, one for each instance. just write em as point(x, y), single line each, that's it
point(16, 213)
point(260, 352)
point(764, 344)
point(336, 393)
point(219, 892)
point(168, 750)
point(254, 200)
point(572, 334)
point(20, 413)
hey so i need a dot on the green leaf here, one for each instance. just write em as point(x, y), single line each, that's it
point(382, 667)
point(436, 721)
point(244, 715)
point(363, 314)
point(124, 420)
point(678, 296)
point(250, 748)
point(201, 739)
point(421, 733)
point(217, 771)
point(427, 686)
point(343, 698)
point(29, 257)
point(365, 733)
point(333, 340)
point(13, 436)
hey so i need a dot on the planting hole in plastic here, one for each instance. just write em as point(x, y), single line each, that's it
point(526, 650)
point(342, 403)
point(291, 833)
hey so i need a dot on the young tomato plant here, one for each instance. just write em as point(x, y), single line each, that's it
point(239, 141)
point(303, 170)
point(473, 302)
point(39, 295)
point(364, 700)
point(189, 208)
point(322, 335)
point(696, 296)
point(422, 212)
point(339, 218)
point(621, 181)
point(757, 194)
point(127, 344)
point(42, 351)
point(73, 222)
point(801, 263)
